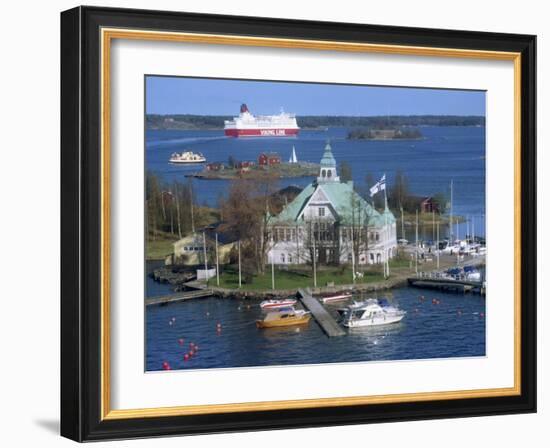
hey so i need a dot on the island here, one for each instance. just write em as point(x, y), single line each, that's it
point(385, 133)
point(251, 170)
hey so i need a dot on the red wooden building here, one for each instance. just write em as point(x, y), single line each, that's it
point(269, 158)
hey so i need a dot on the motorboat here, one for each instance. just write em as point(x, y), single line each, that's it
point(277, 303)
point(284, 317)
point(336, 297)
point(371, 312)
point(472, 274)
point(187, 157)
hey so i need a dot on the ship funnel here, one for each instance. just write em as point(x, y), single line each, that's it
point(244, 108)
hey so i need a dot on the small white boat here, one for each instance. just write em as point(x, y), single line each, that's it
point(337, 298)
point(277, 303)
point(187, 157)
point(369, 313)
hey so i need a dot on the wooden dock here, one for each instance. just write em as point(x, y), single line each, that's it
point(178, 297)
point(321, 315)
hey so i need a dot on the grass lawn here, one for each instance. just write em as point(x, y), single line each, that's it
point(294, 279)
point(159, 248)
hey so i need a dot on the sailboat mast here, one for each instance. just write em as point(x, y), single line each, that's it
point(451, 216)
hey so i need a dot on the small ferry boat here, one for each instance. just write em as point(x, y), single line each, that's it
point(369, 313)
point(284, 317)
point(187, 157)
point(277, 303)
point(337, 297)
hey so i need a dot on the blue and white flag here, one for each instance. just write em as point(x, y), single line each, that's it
point(378, 186)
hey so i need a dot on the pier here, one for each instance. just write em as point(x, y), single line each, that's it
point(321, 315)
point(446, 284)
point(178, 297)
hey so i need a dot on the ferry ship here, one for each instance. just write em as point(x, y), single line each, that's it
point(248, 125)
point(187, 157)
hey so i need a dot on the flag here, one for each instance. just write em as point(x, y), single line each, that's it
point(378, 186)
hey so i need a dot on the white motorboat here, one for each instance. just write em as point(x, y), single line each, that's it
point(187, 157)
point(277, 303)
point(369, 313)
point(336, 297)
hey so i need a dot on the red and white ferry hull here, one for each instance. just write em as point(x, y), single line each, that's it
point(261, 132)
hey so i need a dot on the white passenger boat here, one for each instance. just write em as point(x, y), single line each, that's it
point(187, 157)
point(369, 313)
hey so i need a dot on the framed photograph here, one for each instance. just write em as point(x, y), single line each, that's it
point(276, 224)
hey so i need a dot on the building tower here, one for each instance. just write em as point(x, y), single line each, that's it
point(327, 171)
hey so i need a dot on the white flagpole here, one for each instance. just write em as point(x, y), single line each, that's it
point(314, 258)
point(272, 271)
point(205, 259)
point(240, 277)
point(217, 263)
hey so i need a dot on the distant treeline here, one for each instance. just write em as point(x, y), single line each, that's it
point(179, 121)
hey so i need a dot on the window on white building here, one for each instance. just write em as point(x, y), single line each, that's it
point(282, 258)
point(321, 211)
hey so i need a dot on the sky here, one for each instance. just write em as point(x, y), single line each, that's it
point(199, 96)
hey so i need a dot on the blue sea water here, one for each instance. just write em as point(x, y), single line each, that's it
point(445, 153)
point(427, 331)
point(453, 328)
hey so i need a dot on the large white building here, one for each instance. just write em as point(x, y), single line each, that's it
point(328, 220)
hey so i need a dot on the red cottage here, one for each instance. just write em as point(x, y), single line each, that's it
point(269, 158)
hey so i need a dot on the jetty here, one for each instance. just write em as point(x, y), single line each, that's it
point(321, 315)
point(178, 297)
point(446, 284)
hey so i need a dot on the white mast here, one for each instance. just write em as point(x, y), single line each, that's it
point(416, 246)
point(451, 217)
point(437, 247)
point(402, 225)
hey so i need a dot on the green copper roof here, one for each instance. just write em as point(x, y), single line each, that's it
point(328, 160)
point(349, 206)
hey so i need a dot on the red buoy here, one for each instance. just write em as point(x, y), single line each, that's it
point(186, 357)
point(166, 366)
point(181, 341)
point(481, 314)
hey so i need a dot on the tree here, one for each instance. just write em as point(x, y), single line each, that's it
point(247, 211)
point(345, 172)
point(399, 193)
